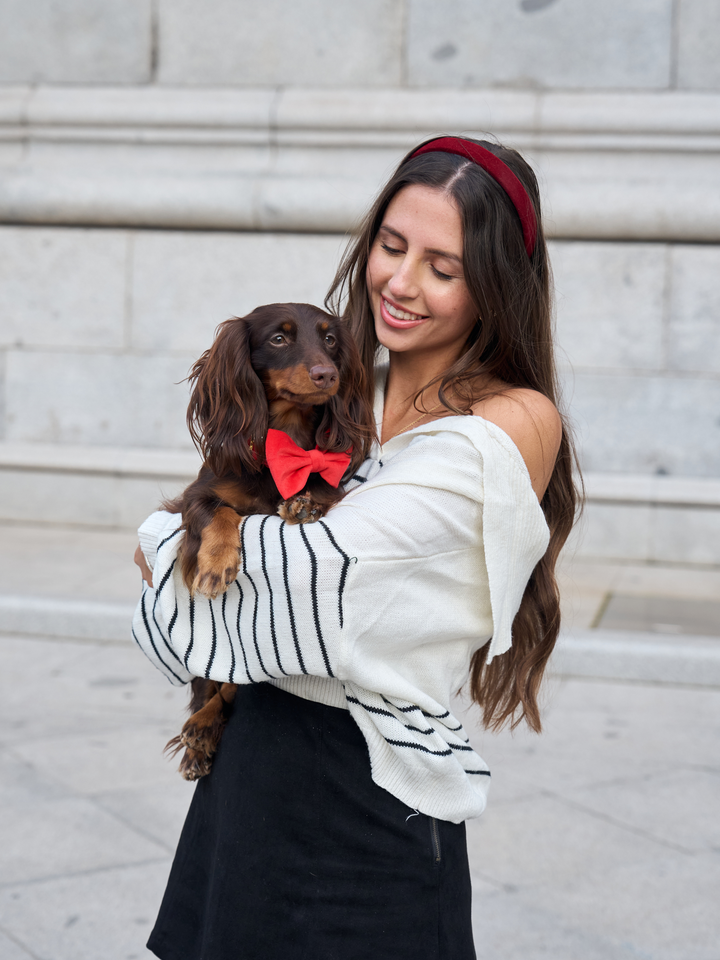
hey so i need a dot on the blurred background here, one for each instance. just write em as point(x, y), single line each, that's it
point(165, 164)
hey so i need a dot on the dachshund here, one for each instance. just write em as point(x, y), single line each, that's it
point(286, 370)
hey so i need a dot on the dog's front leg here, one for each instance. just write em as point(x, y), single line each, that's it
point(218, 559)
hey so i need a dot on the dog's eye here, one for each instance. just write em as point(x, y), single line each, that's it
point(278, 340)
point(330, 340)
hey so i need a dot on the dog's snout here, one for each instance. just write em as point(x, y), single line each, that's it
point(322, 376)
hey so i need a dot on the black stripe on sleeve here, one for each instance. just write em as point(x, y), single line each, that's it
point(479, 773)
point(232, 647)
point(291, 613)
point(213, 645)
point(419, 746)
point(172, 622)
point(192, 633)
point(152, 641)
point(239, 634)
point(343, 572)
point(387, 713)
point(263, 561)
point(168, 539)
point(314, 597)
point(257, 601)
point(413, 707)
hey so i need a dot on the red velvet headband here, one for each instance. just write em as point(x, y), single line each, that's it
point(498, 171)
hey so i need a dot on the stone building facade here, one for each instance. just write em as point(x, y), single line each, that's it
point(165, 164)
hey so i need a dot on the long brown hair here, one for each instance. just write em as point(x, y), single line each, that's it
point(513, 343)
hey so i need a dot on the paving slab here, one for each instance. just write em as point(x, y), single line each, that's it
point(600, 838)
point(600, 841)
point(101, 915)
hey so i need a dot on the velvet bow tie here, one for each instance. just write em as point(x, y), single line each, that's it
point(291, 466)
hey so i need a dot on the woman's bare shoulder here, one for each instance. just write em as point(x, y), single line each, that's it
point(532, 422)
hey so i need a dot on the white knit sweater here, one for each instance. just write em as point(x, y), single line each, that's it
point(378, 608)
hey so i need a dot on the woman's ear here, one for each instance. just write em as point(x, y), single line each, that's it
point(228, 408)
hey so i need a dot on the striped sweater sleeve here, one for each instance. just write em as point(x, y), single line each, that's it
point(282, 616)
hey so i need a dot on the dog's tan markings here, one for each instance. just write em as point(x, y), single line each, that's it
point(285, 416)
point(233, 492)
point(294, 383)
point(218, 559)
point(287, 327)
point(324, 327)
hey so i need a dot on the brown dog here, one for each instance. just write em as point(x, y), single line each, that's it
point(286, 367)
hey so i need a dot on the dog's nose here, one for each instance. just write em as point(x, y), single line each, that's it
point(323, 377)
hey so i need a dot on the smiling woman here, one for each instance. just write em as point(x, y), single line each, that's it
point(332, 823)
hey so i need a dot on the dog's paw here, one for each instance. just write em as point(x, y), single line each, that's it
point(194, 764)
point(300, 509)
point(216, 571)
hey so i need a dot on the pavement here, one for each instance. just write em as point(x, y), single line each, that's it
point(602, 836)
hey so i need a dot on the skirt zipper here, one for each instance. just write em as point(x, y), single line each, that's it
point(436, 839)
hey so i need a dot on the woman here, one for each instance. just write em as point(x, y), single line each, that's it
point(332, 822)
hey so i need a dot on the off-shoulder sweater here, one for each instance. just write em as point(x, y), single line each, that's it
point(378, 608)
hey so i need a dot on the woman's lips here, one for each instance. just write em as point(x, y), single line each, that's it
point(392, 321)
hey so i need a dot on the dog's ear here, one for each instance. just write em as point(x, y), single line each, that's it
point(228, 415)
point(348, 419)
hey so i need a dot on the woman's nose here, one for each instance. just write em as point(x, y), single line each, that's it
point(403, 282)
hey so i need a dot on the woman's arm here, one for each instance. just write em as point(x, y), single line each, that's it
point(405, 564)
point(339, 598)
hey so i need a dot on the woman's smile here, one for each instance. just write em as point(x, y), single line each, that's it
point(394, 316)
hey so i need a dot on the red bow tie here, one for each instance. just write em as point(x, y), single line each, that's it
point(291, 466)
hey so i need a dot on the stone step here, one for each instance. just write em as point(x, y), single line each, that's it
point(663, 519)
point(599, 654)
point(89, 486)
point(647, 657)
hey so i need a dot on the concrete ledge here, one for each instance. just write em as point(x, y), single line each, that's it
point(650, 519)
point(610, 655)
point(112, 461)
point(614, 166)
point(617, 655)
point(66, 619)
point(89, 486)
point(628, 517)
point(629, 488)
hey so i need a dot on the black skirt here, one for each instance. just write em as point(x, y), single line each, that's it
point(291, 852)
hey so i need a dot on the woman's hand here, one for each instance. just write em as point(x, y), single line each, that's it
point(144, 568)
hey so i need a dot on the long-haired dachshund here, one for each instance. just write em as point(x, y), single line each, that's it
point(286, 376)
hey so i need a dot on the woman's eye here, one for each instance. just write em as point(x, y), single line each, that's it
point(442, 276)
point(278, 339)
point(393, 251)
point(330, 340)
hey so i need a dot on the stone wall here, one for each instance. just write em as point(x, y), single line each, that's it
point(166, 164)
point(99, 327)
point(559, 44)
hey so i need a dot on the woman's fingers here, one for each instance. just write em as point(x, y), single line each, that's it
point(144, 568)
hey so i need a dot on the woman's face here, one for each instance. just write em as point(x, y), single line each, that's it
point(415, 279)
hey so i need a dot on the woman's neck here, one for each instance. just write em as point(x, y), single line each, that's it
point(407, 376)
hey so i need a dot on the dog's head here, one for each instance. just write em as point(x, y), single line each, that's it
point(284, 354)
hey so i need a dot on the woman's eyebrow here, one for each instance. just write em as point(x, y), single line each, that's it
point(439, 253)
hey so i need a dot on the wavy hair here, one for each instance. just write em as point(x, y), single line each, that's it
point(513, 343)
